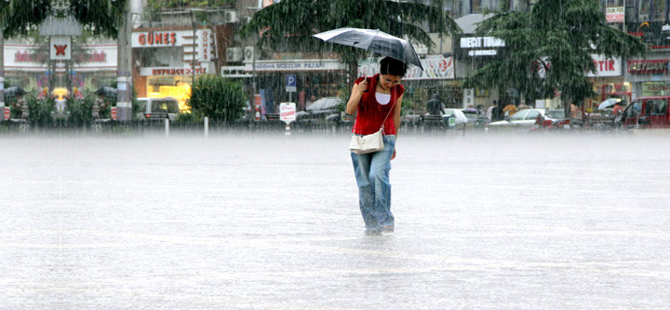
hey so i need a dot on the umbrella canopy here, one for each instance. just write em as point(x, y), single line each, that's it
point(373, 40)
point(106, 91)
point(14, 91)
point(324, 104)
point(608, 103)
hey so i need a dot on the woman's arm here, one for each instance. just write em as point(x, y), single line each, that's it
point(356, 94)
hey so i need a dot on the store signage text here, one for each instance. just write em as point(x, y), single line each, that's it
point(481, 42)
point(605, 66)
point(657, 66)
point(157, 38)
point(279, 66)
point(615, 14)
point(26, 56)
point(479, 47)
point(298, 65)
point(178, 71)
point(147, 71)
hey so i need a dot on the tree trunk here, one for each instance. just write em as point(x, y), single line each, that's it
point(124, 71)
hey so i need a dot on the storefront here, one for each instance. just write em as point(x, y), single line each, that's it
point(313, 79)
point(163, 59)
point(28, 67)
point(649, 77)
point(608, 81)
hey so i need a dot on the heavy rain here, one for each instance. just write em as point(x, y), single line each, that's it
point(182, 154)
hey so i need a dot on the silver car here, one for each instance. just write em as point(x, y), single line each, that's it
point(521, 120)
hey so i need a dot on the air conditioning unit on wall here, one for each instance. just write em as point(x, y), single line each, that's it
point(248, 53)
point(230, 17)
point(234, 54)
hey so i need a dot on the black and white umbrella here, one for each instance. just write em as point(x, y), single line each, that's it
point(106, 91)
point(14, 91)
point(373, 40)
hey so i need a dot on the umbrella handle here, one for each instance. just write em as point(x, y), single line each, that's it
point(365, 78)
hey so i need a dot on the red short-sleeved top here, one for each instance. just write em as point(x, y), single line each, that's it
point(371, 114)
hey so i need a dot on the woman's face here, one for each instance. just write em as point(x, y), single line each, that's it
point(388, 80)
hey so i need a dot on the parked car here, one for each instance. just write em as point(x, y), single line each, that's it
point(521, 120)
point(157, 108)
point(646, 112)
point(321, 111)
point(457, 114)
point(552, 119)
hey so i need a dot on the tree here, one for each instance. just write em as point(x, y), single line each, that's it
point(290, 24)
point(217, 98)
point(112, 19)
point(549, 48)
point(16, 17)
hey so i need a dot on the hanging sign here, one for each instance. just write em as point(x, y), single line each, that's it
point(60, 48)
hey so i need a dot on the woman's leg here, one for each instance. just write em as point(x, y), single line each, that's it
point(380, 166)
point(366, 197)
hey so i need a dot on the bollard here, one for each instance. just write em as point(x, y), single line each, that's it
point(167, 127)
point(206, 127)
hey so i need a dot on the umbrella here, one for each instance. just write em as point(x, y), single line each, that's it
point(14, 91)
point(373, 40)
point(324, 104)
point(608, 103)
point(106, 91)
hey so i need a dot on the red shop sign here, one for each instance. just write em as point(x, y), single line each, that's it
point(648, 66)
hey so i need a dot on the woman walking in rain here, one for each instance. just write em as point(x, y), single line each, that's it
point(377, 100)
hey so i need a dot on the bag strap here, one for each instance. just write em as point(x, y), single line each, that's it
point(390, 111)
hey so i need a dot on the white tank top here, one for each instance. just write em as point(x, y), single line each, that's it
point(383, 99)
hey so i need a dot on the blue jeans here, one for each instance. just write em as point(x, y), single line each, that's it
point(374, 187)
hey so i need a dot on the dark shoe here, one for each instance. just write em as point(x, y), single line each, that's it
point(387, 229)
point(373, 232)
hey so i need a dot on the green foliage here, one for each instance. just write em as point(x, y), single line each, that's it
point(217, 98)
point(40, 110)
point(80, 110)
point(290, 24)
point(549, 48)
point(19, 16)
point(188, 118)
point(103, 16)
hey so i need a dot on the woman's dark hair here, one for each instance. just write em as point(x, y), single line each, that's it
point(392, 66)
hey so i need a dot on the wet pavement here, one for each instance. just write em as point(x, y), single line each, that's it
point(272, 222)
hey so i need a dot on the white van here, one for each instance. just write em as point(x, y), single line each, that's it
point(157, 108)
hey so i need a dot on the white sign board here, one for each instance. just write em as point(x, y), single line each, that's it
point(606, 66)
point(615, 14)
point(287, 112)
point(60, 48)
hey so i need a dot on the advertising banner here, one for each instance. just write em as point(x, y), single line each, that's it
point(436, 67)
point(615, 14)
